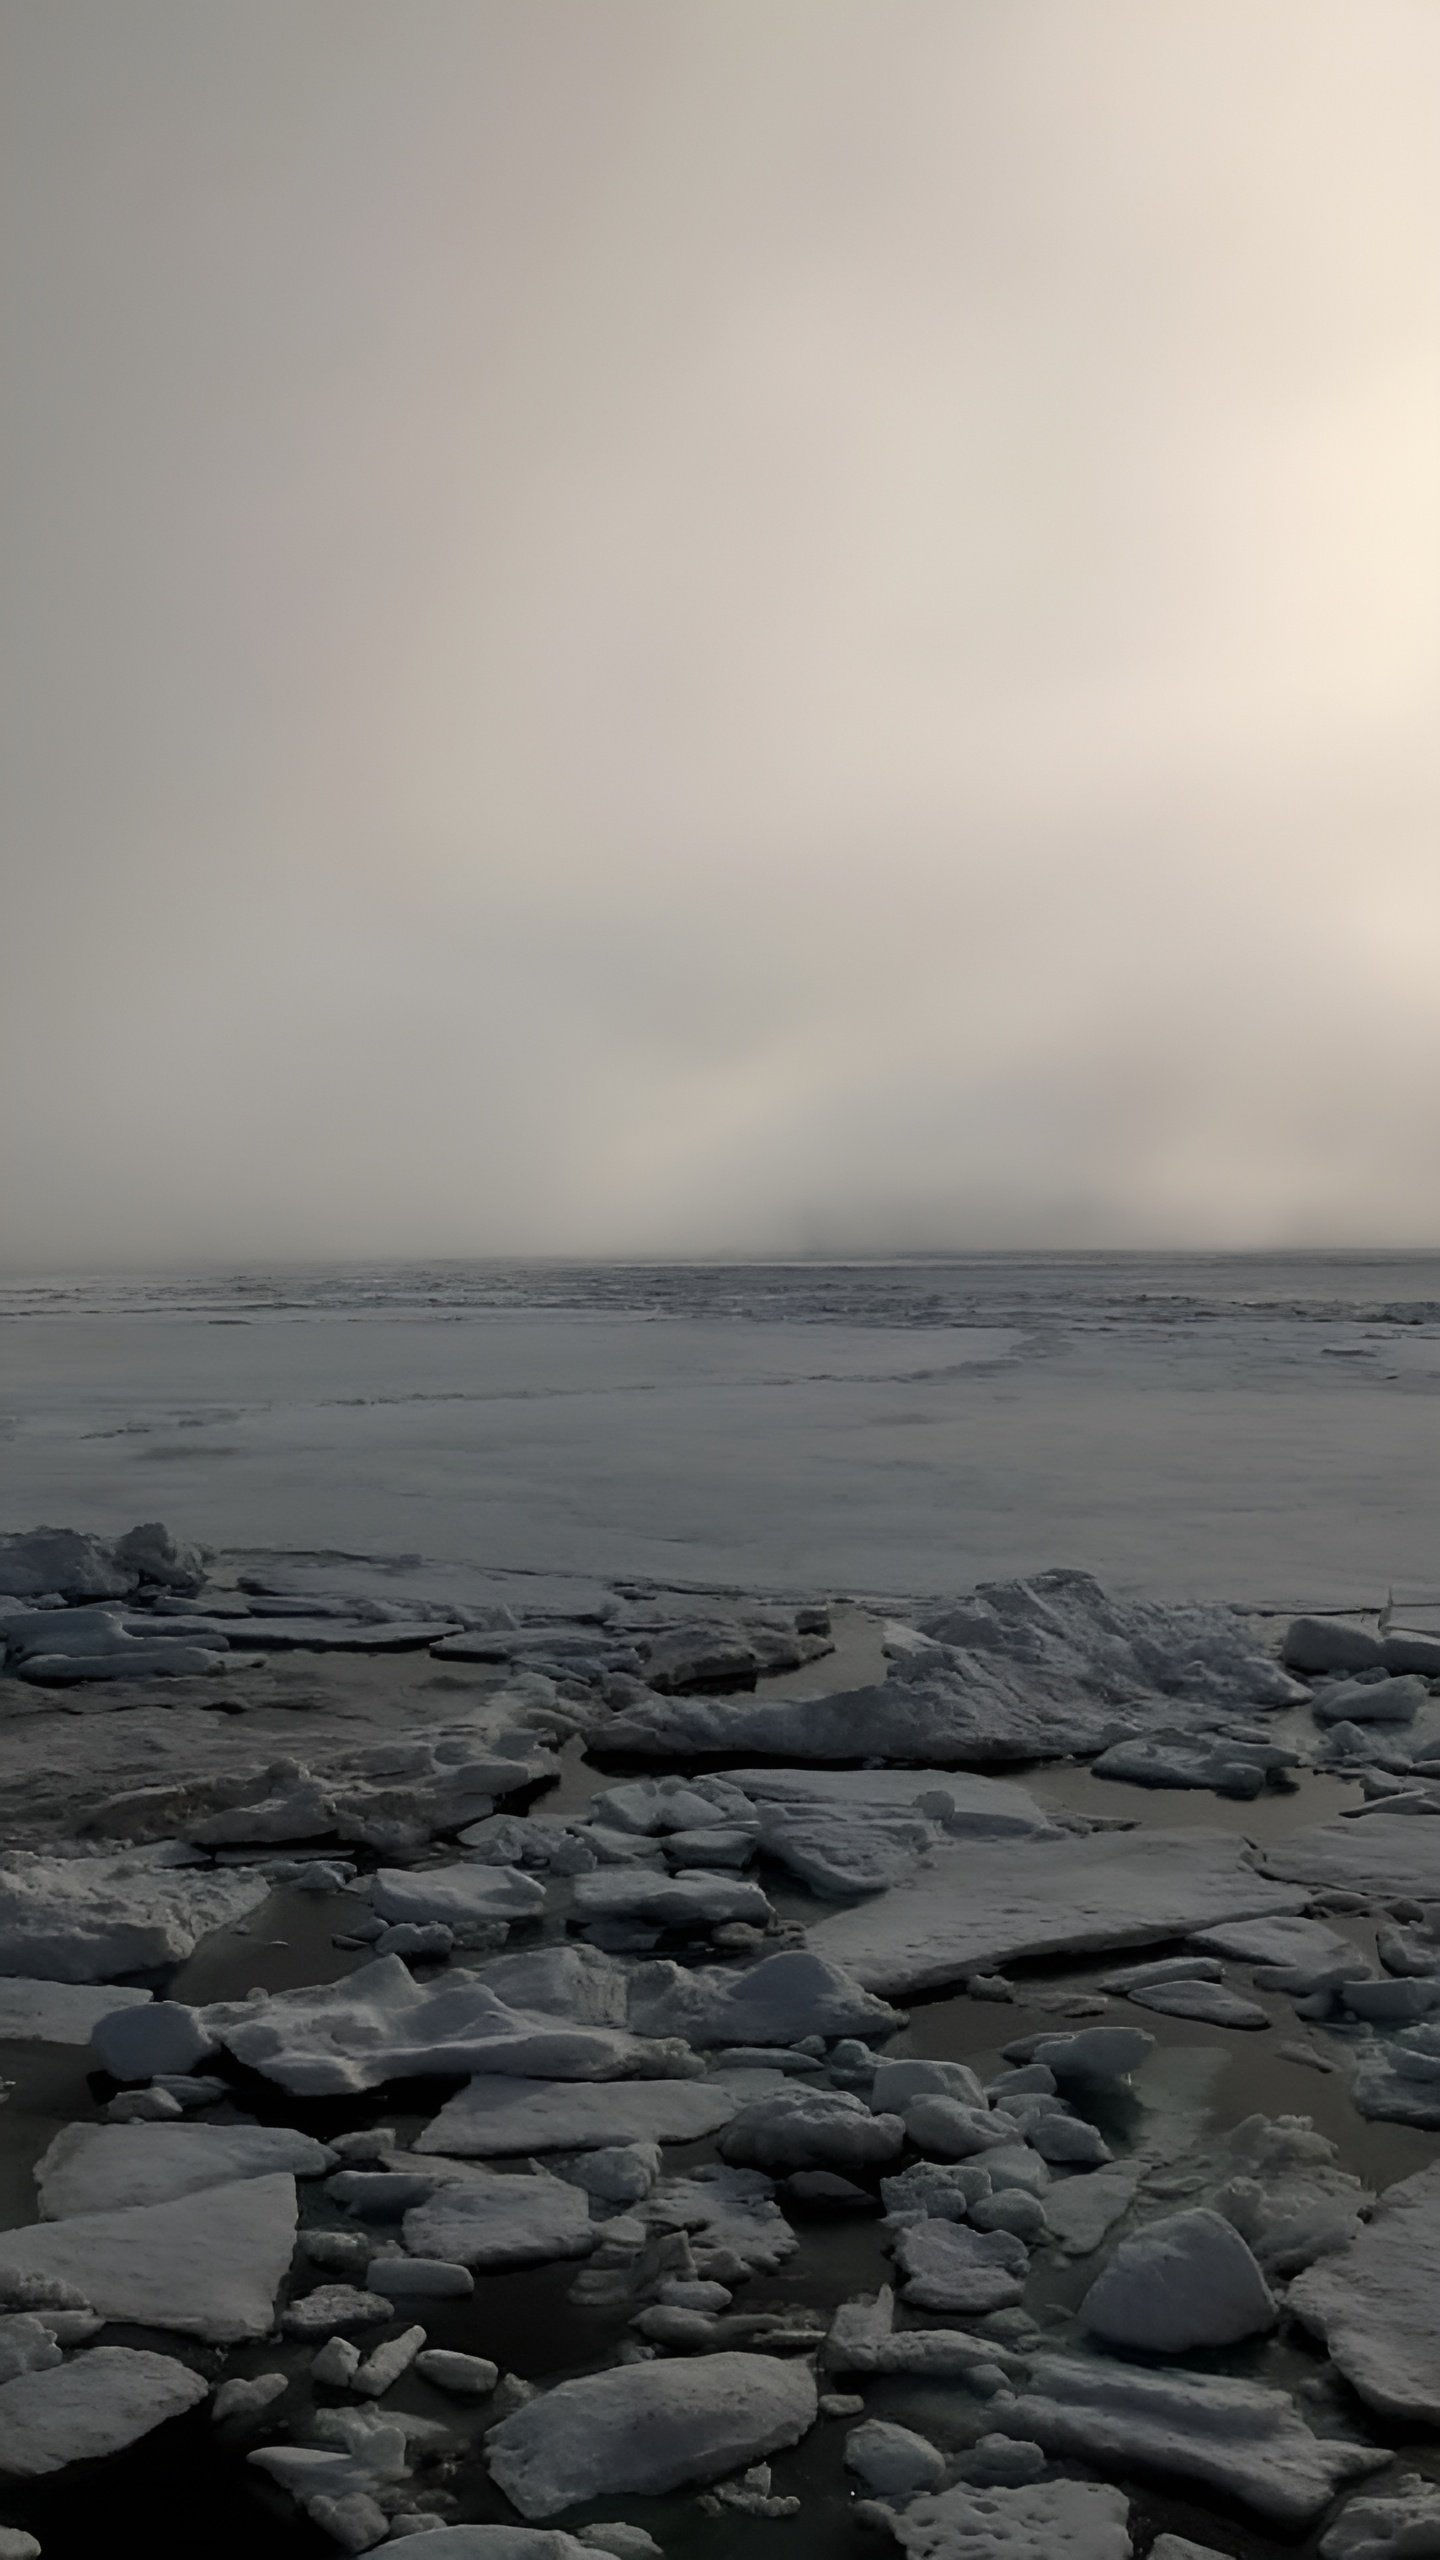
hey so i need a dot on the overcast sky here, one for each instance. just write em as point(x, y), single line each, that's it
point(719, 624)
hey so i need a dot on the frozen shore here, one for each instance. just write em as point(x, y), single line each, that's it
point(627, 2072)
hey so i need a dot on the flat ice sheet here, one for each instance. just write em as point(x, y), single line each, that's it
point(1168, 1421)
point(986, 1904)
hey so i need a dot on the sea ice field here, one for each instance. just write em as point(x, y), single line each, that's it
point(695, 1910)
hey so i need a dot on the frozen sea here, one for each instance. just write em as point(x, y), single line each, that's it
point(1259, 1429)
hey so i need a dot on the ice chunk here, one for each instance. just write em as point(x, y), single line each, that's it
point(164, 2037)
point(645, 2428)
point(1079, 2212)
point(778, 2001)
point(1396, 1701)
point(209, 2265)
point(100, 2168)
point(96, 2404)
point(1091, 2057)
point(1286, 1940)
point(462, 1897)
point(380, 2024)
point(495, 2115)
point(59, 2012)
point(87, 1919)
point(683, 1901)
point(1402, 2523)
point(1023, 1671)
point(1374, 2302)
point(486, 2220)
point(891, 2461)
point(992, 1903)
point(1243, 2439)
point(949, 2267)
point(1053, 2520)
point(1385, 1855)
point(1319, 1645)
point(1214, 2004)
point(1185, 2281)
point(810, 2129)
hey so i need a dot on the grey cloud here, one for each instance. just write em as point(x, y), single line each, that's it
point(729, 627)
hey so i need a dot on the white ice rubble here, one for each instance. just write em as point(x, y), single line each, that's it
point(1021, 1671)
point(380, 2024)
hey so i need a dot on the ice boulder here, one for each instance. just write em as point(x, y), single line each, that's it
point(891, 2461)
point(641, 2429)
point(1186, 2281)
point(810, 2129)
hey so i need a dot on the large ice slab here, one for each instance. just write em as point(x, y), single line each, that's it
point(645, 2428)
point(991, 1903)
point(208, 2265)
point(95, 2404)
point(381, 2024)
point(98, 2168)
point(1384, 1854)
point(1240, 2438)
point(495, 2116)
point(89, 1919)
point(1374, 2303)
point(1020, 1671)
point(59, 2012)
